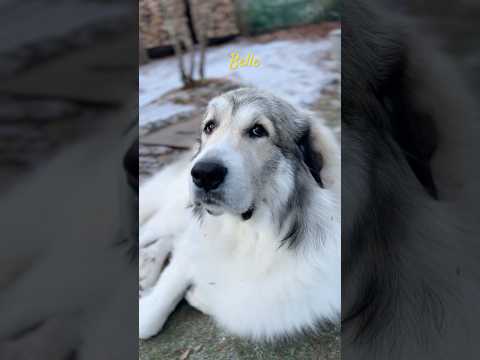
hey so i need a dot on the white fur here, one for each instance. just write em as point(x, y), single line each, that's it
point(235, 270)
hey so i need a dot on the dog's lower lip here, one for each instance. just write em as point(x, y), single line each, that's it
point(207, 200)
point(248, 214)
point(210, 202)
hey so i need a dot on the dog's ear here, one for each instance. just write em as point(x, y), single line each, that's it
point(313, 159)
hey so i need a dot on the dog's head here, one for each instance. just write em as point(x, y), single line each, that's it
point(254, 147)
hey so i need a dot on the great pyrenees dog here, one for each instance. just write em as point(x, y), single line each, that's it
point(246, 228)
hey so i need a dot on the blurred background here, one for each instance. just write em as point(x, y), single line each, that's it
point(65, 67)
point(455, 30)
point(185, 48)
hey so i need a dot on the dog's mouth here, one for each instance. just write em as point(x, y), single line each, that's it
point(211, 204)
point(216, 207)
point(213, 207)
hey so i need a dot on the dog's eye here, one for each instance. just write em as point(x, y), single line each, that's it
point(257, 131)
point(209, 127)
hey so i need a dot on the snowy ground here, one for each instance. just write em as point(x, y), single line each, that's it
point(154, 112)
point(296, 70)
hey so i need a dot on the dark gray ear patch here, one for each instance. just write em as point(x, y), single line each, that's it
point(313, 160)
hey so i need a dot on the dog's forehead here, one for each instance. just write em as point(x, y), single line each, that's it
point(218, 108)
point(244, 106)
point(220, 104)
point(248, 112)
point(236, 110)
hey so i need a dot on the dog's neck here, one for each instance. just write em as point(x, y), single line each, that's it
point(306, 212)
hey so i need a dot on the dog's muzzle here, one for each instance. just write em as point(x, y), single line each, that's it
point(208, 177)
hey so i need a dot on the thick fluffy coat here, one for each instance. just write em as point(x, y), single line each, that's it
point(261, 251)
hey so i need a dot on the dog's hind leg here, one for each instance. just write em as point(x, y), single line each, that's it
point(152, 259)
point(164, 216)
point(154, 249)
point(148, 200)
point(167, 187)
point(155, 307)
point(150, 233)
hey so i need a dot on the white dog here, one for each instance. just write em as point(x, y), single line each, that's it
point(250, 226)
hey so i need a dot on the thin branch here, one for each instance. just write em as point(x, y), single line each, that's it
point(202, 26)
point(169, 23)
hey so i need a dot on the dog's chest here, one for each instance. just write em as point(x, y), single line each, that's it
point(224, 253)
point(242, 276)
point(228, 253)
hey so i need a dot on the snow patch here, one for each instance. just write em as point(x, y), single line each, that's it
point(295, 70)
point(157, 113)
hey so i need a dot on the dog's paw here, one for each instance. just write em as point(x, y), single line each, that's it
point(195, 300)
point(150, 322)
point(149, 269)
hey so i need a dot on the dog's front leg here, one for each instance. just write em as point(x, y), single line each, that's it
point(155, 307)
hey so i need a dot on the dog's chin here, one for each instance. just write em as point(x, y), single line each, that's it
point(217, 209)
point(215, 205)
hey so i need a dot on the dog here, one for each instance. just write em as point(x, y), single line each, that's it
point(409, 283)
point(250, 225)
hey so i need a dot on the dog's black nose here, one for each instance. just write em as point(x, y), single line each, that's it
point(208, 175)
